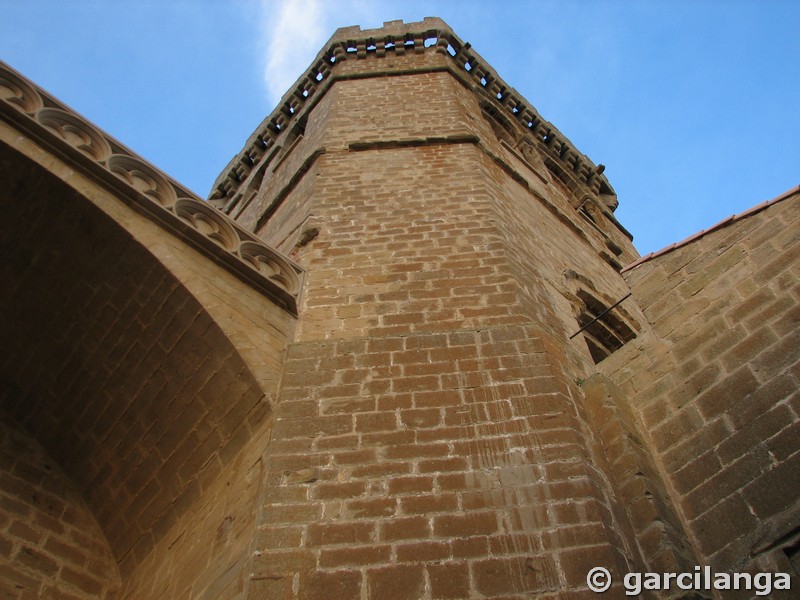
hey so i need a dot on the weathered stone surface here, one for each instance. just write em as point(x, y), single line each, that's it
point(455, 391)
point(724, 435)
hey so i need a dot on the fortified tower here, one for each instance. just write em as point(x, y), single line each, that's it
point(431, 436)
point(404, 351)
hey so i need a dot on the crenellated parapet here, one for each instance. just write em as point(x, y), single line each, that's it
point(43, 118)
point(396, 39)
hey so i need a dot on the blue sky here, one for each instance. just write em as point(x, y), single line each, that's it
point(691, 105)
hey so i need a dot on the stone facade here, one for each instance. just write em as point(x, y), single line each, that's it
point(714, 383)
point(401, 357)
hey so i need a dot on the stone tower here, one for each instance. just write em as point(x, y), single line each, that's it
point(431, 436)
point(404, 351)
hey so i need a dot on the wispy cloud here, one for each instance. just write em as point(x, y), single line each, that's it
point(295, 31)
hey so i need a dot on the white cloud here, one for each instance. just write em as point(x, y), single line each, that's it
point(295, 31)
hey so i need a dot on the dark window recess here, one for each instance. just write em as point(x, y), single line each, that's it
point(502, 128)
point(792, 552)
point(604, 331)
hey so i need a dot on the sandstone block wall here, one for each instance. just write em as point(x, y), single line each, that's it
point(143, 387)
point(50, 544)
point(430, 438)
point(434, 424)
point(715, 383)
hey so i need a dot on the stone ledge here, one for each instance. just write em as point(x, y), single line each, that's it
point(38, 115)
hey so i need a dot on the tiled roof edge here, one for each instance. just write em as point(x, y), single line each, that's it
point(724, 223)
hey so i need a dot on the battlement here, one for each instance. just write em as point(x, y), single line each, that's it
point(395, 38)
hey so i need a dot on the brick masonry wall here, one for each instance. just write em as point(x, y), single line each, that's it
point(119, 378)
point(404, 258)
point(715, 384)
point(639, 493)
point(206, 553)
point(50, 545)
point(540, 249)
point(546, 255)
point(451, 111)
point(441, 464)
point(429, 439)
point(155, 405)
point(282, 174)
point(336, 121)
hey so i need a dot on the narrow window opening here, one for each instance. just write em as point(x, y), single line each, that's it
point(603, 330)
point(501, 127)
point(792, 549)
point(596, 351)
point(792, 552)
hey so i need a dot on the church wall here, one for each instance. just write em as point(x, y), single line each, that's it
point(282, 173)
point(433, 424)
point(426, 435)
point(715, 384)
point(419, 255)
point(50, 544)
point(148, 385)
point(206, 552)
point(550, 260)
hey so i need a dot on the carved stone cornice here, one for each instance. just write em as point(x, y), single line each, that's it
point(396, 38)
point(50, 123)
